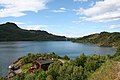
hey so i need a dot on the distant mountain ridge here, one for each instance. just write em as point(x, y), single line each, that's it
point(11, 32)
point(102, 39)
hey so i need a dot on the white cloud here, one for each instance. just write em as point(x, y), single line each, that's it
point(17, 8)
point(102, 11)
point(113, 26)
point(80, 0)
point(106, 17)
point(34, 27)
point(59, 10)
point(76, 21)
point(80, 20)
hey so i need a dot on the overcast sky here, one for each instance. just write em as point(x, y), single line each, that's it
point(71, 18)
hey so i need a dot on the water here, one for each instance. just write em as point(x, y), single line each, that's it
point(9, 51)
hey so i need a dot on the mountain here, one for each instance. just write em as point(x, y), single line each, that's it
point(11, 32)
point(102, 39)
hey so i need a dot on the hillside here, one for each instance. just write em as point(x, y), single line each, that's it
point(108, 71)
point(11, 32)
point(101, 39)
point(94, 67)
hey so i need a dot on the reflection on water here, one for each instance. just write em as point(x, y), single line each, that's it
point(9, 51)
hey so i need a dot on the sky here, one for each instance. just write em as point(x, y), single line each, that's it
point(70, 18)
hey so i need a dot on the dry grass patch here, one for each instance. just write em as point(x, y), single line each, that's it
point(108, 71)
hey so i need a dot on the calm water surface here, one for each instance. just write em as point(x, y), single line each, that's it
point(9, 51)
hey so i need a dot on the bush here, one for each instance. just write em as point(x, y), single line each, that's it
point(49, 77)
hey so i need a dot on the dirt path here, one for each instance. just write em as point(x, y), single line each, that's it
point(18, 71)
point(63, 61)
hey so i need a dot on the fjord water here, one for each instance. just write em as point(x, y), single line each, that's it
point(9, 51)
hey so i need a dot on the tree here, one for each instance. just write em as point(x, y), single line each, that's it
point(53, 69)
point(66, 57)
point(80, 61)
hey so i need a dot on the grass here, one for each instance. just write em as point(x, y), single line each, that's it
point(108, 71)
point(26, 67)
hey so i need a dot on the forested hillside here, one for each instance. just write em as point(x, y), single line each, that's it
point(102, 39)
point(11, 32)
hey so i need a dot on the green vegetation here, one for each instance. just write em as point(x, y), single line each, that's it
point(102, 39)
point(11, 32)
point(25, 67)
point(95, 67)
point(1, 78)
point(27, 60)
point(31, 57)
point(107, 71)
point(37, 75)
point(83, 67)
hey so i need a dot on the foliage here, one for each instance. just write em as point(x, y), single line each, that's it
point(21, 76)
point(65, 57)
point(77, 69)
point(1, 78)
point(117, 52)
point(49, 77)
point(11, 32)
point(31, 57)
point(83, 67)
point(107, 71)
point(80, 61)
point(102, 39)
point(25, 67)
point(54, 69)
point(116, 56)
point(72, 72)
point(37, 75)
